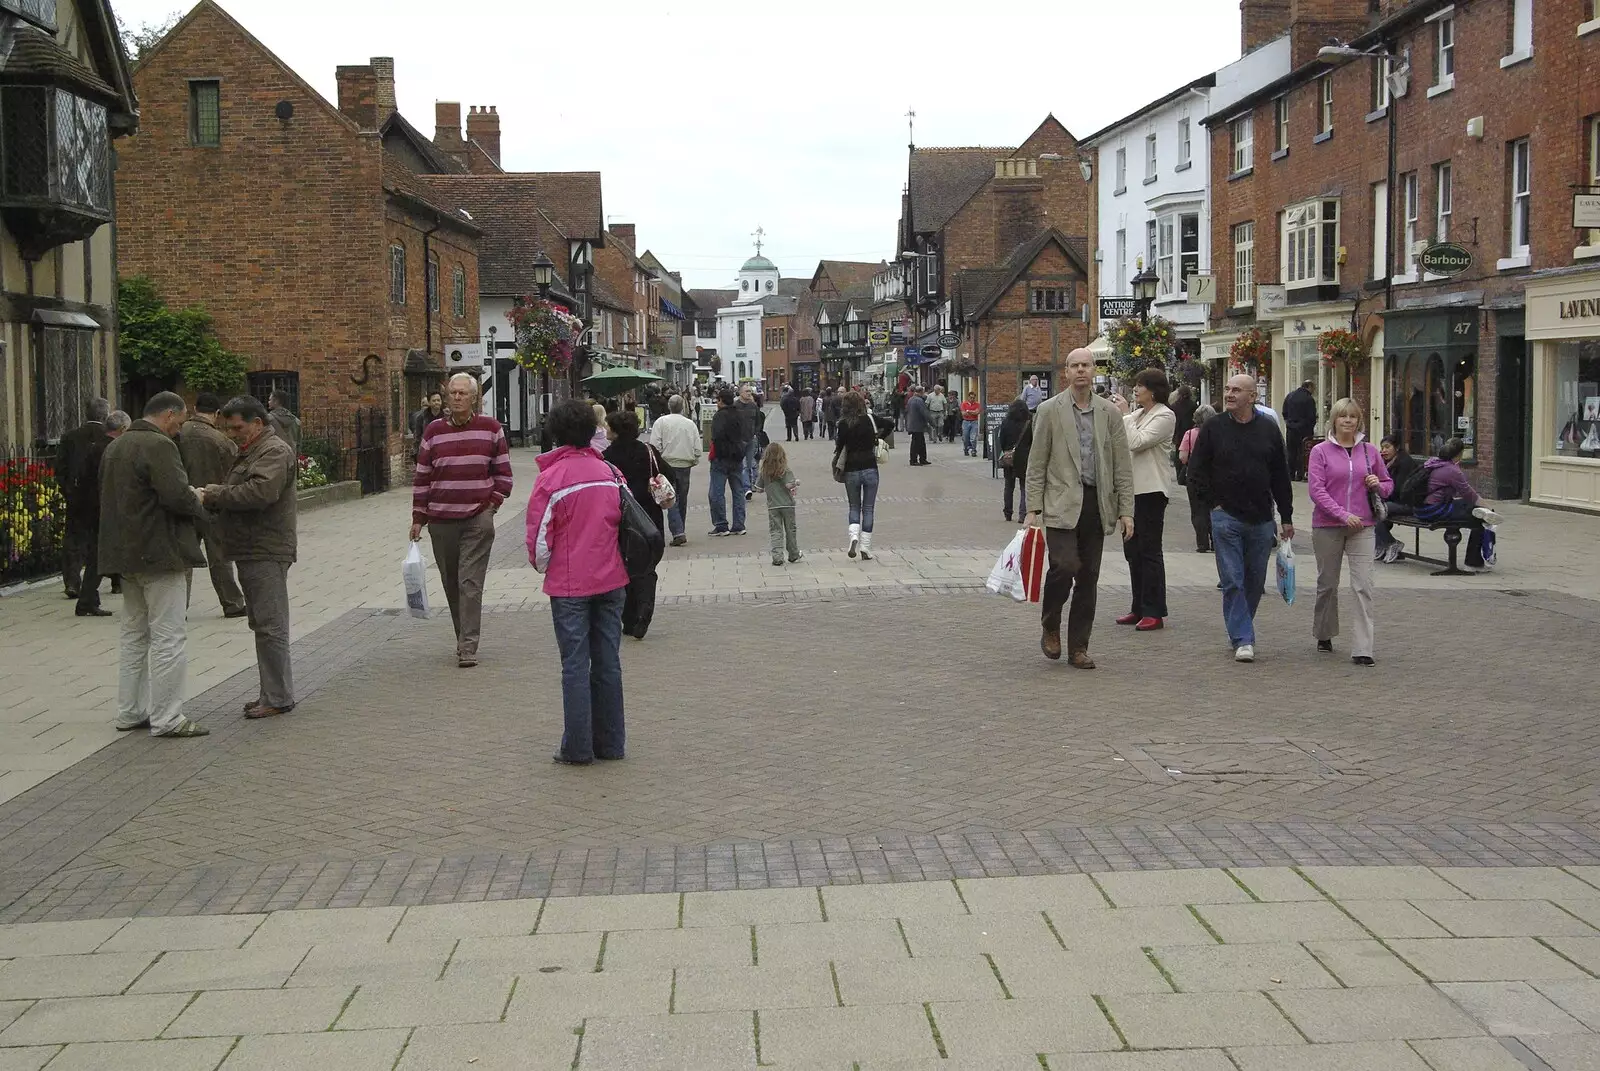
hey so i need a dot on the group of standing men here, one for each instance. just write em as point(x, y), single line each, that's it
point(143, 496)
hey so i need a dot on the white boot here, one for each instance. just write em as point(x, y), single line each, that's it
point(866, 546)
point(855, 540)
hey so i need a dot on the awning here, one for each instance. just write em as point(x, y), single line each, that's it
point(671, 310)
point(57, 318)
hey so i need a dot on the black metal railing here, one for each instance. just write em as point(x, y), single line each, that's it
point(33, 518)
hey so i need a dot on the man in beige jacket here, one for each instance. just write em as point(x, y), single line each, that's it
point(1080, 481)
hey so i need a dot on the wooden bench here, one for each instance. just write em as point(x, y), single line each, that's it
point(1452, 540)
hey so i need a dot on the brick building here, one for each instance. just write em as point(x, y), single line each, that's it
point(301, 227)
point(842, 300)
point(980, 226)
point(1494, 122)
point(66, 94)
point(630, 304)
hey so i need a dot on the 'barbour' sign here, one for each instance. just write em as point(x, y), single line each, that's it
point(1445, 258)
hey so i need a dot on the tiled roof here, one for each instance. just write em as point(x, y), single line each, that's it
point(604, 295)
point(35, 57)
point(779, 304)
point(849, 276)
point(515, 228)
point(942, 180)
point(707, 302)
point(793, 287)
point(570, 199)
point(978, 288)
point(439, 162)
point(401, 182)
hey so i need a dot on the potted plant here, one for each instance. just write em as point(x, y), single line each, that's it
point(1340, 347)
point(546, 334)
point(1137, 345)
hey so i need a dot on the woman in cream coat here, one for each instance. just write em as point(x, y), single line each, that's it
point(1150, 429)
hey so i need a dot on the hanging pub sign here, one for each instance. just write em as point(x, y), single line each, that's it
point(949, 340)
point(1445, 258)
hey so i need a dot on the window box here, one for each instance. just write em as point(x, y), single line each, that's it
point(55, 166)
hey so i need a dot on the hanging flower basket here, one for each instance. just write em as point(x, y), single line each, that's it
point(1136, 346)
point(1340, 347)
point(546, 334)
point(1249, 352)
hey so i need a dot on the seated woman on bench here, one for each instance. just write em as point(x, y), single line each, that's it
point(1400, 464)
point(1453, 500)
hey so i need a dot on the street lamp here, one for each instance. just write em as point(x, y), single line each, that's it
point(544, 276)
point(1144, 286)
point(1398, 79)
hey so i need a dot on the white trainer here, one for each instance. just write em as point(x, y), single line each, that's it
point(1487, 515)
point(1245, 652)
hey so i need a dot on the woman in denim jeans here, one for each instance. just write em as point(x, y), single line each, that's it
point(572, 523)
point(857, 451)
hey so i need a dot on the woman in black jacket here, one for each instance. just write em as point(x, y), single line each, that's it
point(638, 462)
point(857, 455)
point(1016, 436)
point(1400, 465)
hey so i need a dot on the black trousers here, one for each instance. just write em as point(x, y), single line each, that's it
point(1200, 517)
point(1074, 573)
point(791, 429)
point(639, 605)
point(1013, 477)
point(919, 447)
point(1146, 566)
point(89, 582)
point(77, 543)
point(1296, 441)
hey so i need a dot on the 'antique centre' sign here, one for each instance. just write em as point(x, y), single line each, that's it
point(1445, 258)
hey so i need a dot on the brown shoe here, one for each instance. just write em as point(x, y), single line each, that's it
point(1080, 660)
point(1050, 643)
point(255, 713)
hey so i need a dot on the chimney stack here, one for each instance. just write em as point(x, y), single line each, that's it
point(1313, 23)
point(358, 95)
point(483, 127)
point(624, 233)
point(1262, 21)
point(383, 86)
point(447, 124)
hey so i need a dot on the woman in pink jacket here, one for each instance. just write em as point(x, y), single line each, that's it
point(1343, 472)
point(572, 539)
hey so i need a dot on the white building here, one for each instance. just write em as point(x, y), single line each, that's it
point(739, 324)
point(1155, 188)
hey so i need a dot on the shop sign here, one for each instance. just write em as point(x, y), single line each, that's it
point(458, 353)
point(878, 338)
point(1270, 301)
point(949, 340)
point(1579, 309)
point(1202, 289)
point(1118, 308)
point(1564, 308)
point(912, 353)
point(1302, 327)
point(1445, 258)
point(1586, 210)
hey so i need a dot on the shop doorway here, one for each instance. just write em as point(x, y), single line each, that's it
point(1512, 442)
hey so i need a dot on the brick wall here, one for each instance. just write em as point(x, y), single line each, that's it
point(1010, 342)
point(1546, 99)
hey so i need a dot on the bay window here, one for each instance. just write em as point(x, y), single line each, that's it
point(1311, 244)
point(1177, 251)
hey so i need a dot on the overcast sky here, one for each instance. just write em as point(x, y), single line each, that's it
point(709, 119)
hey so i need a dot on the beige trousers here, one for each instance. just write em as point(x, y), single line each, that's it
point(1332, 547)
point(461, 549)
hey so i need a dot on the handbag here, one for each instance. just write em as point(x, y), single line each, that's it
point(661, 488)
point(838, 465)
point(638, 539)
point(1380, 508)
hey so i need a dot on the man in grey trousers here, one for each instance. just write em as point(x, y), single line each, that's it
point(254, 519)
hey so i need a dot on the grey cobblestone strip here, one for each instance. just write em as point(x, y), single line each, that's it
point(889, 857)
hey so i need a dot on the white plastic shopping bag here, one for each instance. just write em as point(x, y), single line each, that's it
point(1286, 571)
point(414, 576)
point(1006, 576)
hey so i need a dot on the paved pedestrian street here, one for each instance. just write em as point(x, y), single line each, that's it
point(862, 824)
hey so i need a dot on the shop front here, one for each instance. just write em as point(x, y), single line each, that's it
point(1430, 378)
point(1215, 354)
point(1563, 323)
point(805, 375)
point(1296, 358)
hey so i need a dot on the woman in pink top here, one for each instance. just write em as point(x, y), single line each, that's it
point(1342, 473)
point(572, 539)
point(1199, 512)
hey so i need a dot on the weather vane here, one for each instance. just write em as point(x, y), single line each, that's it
point(911, 127)
point(758, 235)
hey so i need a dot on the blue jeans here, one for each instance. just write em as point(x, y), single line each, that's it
point(733, 473)
point(680, 504)
point(861, 488)
point(1243, 552)
point(969, 437)
point(589, 633)
point(752, 468)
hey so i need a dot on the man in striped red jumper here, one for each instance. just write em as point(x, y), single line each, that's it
point(463, 474)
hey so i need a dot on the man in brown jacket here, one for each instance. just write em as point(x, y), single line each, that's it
point(208, 455)
point(148, 536)
point(253, 513)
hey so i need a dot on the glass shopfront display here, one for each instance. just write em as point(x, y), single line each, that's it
point(1433, 398)
point(1577, 398)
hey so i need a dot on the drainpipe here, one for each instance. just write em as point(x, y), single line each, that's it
point(428, 294)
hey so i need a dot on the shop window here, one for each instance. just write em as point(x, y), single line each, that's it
point(1433, 398)
point(1578, 399)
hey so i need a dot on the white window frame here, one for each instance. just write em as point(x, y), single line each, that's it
point(1410, 198)
point(1149, 245)
point(1325, 104)
point(1166, 253)
point(1185, 146)
point(1304, 234)
point(1241, 143)
point(1443, 200)
point(1444, 52)
point(1380, 99)
point(1592, 246)
point(1380, 230)
point(1521, 33)
point(1244, 263)
point(1521, 197)
point(1150, 156)
point(1122, 170)
point(1280, 123)
point(1122, 261)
